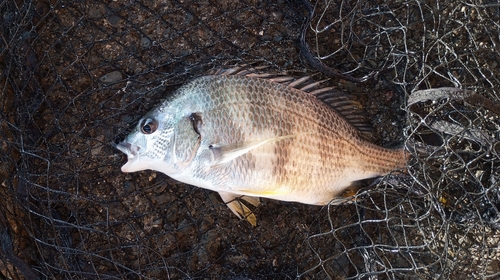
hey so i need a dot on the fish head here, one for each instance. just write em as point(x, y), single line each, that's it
point(150, 143)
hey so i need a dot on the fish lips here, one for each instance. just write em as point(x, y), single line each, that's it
point(137, 162)
point(127, 148)
point(132, 152)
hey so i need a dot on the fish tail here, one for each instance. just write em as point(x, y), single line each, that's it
point(384, 160)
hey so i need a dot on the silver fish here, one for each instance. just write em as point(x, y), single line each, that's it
point(247, 135)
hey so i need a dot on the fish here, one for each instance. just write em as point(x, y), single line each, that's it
point(250, 135)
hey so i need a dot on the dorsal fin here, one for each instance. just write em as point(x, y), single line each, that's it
point(345, 105)
point(341, 102)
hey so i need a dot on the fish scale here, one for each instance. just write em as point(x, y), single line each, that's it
point(255, 138)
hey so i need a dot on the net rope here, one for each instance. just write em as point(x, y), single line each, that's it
point(75, 76)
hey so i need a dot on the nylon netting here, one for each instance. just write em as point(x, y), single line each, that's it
point(77, 75)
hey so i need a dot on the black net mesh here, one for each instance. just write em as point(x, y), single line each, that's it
point(76, 75)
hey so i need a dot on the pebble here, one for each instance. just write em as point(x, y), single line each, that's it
point(111, 77)
point(145, 42)
point(114, 20)
point(96, 12)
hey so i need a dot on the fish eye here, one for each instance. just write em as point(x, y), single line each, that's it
point(149, 126)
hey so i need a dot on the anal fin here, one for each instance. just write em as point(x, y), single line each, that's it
point(239, 208)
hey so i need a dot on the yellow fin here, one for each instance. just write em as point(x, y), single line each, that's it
point(227, 153)
point(238, 208)
point(262, 193)
point(255, 201)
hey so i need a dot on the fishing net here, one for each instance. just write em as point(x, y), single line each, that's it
point(77, 75)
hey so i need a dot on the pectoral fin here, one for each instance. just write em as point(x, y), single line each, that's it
point(238, 208)
point(227, 153)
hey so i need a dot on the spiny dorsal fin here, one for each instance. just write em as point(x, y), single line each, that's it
point(341, 102)
point(346, 106)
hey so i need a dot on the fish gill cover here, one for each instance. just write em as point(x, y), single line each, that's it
point(77, 75)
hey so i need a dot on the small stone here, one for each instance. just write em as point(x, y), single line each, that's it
point(145, 42)
point(114, 20)
point(111, 77)
point(95, 12)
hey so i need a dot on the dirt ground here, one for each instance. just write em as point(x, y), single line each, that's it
point(80, 74)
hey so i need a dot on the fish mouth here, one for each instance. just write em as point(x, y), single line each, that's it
point(134, 160)
point(130, 150)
